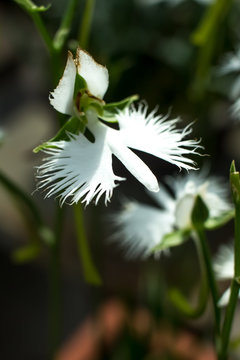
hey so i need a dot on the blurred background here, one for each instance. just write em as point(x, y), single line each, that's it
point(150, 48)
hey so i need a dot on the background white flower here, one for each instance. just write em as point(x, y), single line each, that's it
point(139, 228)
point(224, 269)
point(78, 169)
point(231, 65)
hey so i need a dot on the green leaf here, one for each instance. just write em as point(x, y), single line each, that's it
point(174, 238)
point(29, 6)
point(200, 212)
point(235, 183)
point(74, 125)
point(80, 85)
point(26, 253)
point(110, 110)
point(214, 223)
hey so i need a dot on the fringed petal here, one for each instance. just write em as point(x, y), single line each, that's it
point(156, 135)
point(79, 169)
point(139, 228)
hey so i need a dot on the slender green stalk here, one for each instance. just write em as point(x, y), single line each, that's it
point(90, 272)
point(18, 193)
point(43, 31)
point(65, 26)
point(86, 23)
point(182, 305)
point(55, 287)
point(200, 233)
point(235, 285)
point(206, 38)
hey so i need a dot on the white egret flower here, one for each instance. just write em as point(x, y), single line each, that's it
point(139, 228)
point(78, 169)
point(224, 270)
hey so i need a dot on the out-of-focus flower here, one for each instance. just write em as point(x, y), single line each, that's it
point(140, 227)
point(79, 162)
point(231, 65)
point(224, 269)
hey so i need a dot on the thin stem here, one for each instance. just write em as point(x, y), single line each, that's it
point(90, 272)
point(86, 23)
point(17, 192)
point(65, 26)
point(206, 37)
point(179, 300)
point(200, 233)
point(55, 287)
point(235, 286)
point(43, 31)
point(227, 325)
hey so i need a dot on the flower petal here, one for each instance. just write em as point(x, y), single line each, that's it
point(95, 75)
point(156, 135)
point(224, 299)
point(62, 97)
point(131, 161)
point(140, 228)
point(224, 263)
point(79, 169)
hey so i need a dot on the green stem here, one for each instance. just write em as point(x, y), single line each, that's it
point(206, 37)
point(17, 192)
point(200, 233)
point(43, 31)
point(90, 273)
point(179, 300)
point(227, 324)
point(86, 23)
point(55, 287)
point(235, 286)
point(65, 26)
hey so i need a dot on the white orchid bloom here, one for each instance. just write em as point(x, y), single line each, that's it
point(78, 169)
point(139, 228)
point(224, 270)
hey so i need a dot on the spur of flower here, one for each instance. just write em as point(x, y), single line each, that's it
point(224, 269)
point(78, 166)
point(143, 229)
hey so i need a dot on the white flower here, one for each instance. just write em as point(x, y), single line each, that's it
point(231, 65)
point(224, 269)
point(79, 169)
point(141, 227)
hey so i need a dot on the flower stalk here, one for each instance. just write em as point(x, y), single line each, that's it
point(55, 286)
point(235, 285)
point(200, 215)
point(86, 23)
point(90, 272)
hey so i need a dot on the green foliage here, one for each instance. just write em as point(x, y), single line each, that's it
point(74, 125)
point(200, 213)
point(172, 239)
point(27, 253)
point(235, 184)
point(216, 222)
point(30, 7)
point(110, 110)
